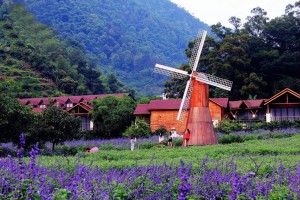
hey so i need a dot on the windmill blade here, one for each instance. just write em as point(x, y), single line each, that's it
point(185, 102)
point(198, 46)
point(214, 80)
point(169, 71)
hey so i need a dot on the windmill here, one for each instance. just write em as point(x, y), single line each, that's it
point(196, 96)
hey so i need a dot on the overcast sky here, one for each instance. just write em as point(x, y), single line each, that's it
point(214, 11)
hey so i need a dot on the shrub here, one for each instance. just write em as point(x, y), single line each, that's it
point(227, 126)
point(140, 130)
point(297, 123)
point(161, 130)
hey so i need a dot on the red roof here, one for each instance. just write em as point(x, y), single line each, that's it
point(235, 104)
point(253, 103)
point(64, 99)
point(44, 101)
point(75, 99)
point(34, 101)
point(168, 104)
point(141, 109)
point(223, 102)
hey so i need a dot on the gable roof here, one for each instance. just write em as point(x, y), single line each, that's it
point(223, 102)
point(174, 104)
point(233, 105)
point(167, 104)
point(141, 109)
point(253, 103)
point(62, 100)
point(82, 105)
point(279, 94)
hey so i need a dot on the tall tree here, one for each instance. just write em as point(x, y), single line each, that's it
point(58, 125)
point(15, 119)
point(112, 115)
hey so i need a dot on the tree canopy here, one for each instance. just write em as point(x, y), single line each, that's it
point(262, 57)
point(35, 62)
point(126, 37)
point(113, 115)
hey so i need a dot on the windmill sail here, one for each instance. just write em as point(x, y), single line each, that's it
point(185, 100)
point(198, 46)
point(169, 71)
point(214, 80)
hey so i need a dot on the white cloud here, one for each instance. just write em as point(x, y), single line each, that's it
point(214, 11)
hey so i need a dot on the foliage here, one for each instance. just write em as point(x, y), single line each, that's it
point(227, 126)
point(35, 62)
point(203, 178)
point(118, 34)
point(15, 118)
point(140, 129)
point(161, 130)
point(261, 56)
point(112, 115)
point(58, 126)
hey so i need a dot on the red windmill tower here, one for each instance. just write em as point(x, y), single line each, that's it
point(196, 96)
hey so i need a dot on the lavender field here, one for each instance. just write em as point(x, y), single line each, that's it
point(254, 169)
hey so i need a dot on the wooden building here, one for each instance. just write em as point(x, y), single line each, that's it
point(247, 110)
point(77, 105)
point(283, 106)
point(163, 113)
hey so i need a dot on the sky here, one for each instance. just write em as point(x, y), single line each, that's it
point(214, 11)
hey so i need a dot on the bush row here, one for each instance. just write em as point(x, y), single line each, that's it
point(227, 126)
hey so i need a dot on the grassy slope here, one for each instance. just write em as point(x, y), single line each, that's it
point(268, 152)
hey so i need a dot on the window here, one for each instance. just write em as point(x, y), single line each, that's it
point(85, 123)
point(69, 105)
point(42, 106)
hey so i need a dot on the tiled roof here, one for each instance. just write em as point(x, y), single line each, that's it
point(45, 101)
point(141, 109)
point(253, 103)
point(235, 104)
point(220, 101)
point(34, 102)
point(168, 104)
point(174, 104)
point(64, 99)
point(75, 99)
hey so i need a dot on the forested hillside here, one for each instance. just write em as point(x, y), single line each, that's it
point(261, 57)
point(34, 62)
point(126, 37)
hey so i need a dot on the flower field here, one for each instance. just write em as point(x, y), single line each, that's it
point(254, 169)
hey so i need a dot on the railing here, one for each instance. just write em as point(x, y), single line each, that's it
point(285, 118)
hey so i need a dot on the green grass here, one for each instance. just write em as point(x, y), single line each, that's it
point(254, 155)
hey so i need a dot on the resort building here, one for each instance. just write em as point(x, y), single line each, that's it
point(284, 105)
point(77, 105)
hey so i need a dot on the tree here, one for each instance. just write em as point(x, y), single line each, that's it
point(257, 22)
point(15, 119)
point(112, 115)
point(59, 125)
point(139, 129)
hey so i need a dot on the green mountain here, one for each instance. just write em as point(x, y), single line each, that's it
point(35, 62)
point(125, 37)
